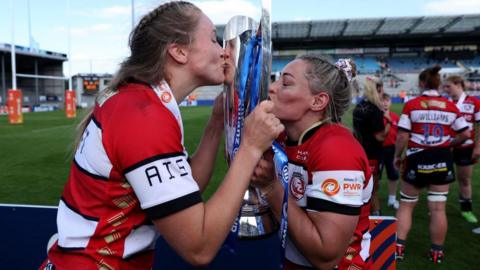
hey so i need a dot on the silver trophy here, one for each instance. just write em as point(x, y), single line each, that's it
point(248, 48)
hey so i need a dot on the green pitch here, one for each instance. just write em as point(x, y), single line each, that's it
point(35, 160)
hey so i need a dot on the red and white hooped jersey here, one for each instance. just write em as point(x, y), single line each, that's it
point(432, 121)
point(129, 168)
point(329, 172)
point(469, 107)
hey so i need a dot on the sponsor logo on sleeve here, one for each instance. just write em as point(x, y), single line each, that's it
point(352, 187)
point(330, 187)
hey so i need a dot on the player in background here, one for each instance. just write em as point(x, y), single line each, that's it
point(468, 153)
point(330, 180)
point(131, 178)
point(370, 131)
point(431, 125)
point(390, 119)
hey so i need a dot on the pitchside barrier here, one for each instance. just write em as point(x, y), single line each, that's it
point(27, 229)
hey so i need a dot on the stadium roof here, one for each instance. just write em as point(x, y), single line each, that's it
point(401, 31)
point(26, 51)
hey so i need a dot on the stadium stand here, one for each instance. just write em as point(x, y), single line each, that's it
point(393, 48)
point(39, 75)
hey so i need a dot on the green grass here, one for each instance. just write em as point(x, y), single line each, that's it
point(35, 159)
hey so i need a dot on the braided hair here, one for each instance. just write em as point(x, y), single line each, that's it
point(172, 22)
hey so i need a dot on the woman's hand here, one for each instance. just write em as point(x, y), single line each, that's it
point(476, 153)
point(217, 110)
point(387, 116)
point(397, 163)
point(264, 174)
point(261, 128)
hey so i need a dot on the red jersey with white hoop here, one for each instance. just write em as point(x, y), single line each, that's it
point(129, 168)
point(469, 107)
point(432, 121)
point(329, 172)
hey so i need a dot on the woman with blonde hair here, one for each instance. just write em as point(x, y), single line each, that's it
point(467, 154)
point(329, 178)
point(131, 178)
point(370, 130)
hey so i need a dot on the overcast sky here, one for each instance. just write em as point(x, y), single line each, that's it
point(100, 28)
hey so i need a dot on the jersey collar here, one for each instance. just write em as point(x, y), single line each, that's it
point(431, 93)
point(165, 94)
point(307, 133)
point(460, 100)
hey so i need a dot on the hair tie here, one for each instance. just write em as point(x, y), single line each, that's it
point(344, 64)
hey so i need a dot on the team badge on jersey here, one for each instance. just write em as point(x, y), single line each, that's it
point(467, 108)
point(166, 97)
point(297, 186)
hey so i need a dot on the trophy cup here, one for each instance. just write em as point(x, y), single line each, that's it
point(247, 46)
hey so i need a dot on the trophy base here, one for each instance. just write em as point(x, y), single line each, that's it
point(256, 222)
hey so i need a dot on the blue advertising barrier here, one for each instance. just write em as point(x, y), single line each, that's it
point(26, 230)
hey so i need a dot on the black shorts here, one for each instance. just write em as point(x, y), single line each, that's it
point(462, 156)
point(429, 167)
point(387, 162)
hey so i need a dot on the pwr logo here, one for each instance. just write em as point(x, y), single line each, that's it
point(351, 187)
point(330, 187)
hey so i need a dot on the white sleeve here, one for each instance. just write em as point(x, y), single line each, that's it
point(339, 191)
point(459, 124)
point(164, 184)
point(405, 122)
point(477, 117)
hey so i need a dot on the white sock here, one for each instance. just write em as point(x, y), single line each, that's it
point(392, 198)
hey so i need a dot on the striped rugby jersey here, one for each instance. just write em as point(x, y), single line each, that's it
point(469, 108)
point(432, 121)
point(329, 172)
point(129, 168)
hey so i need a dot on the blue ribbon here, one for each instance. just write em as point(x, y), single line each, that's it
point(280, 160)
point(256, 59)
point(245, 74)
point(249, 76)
